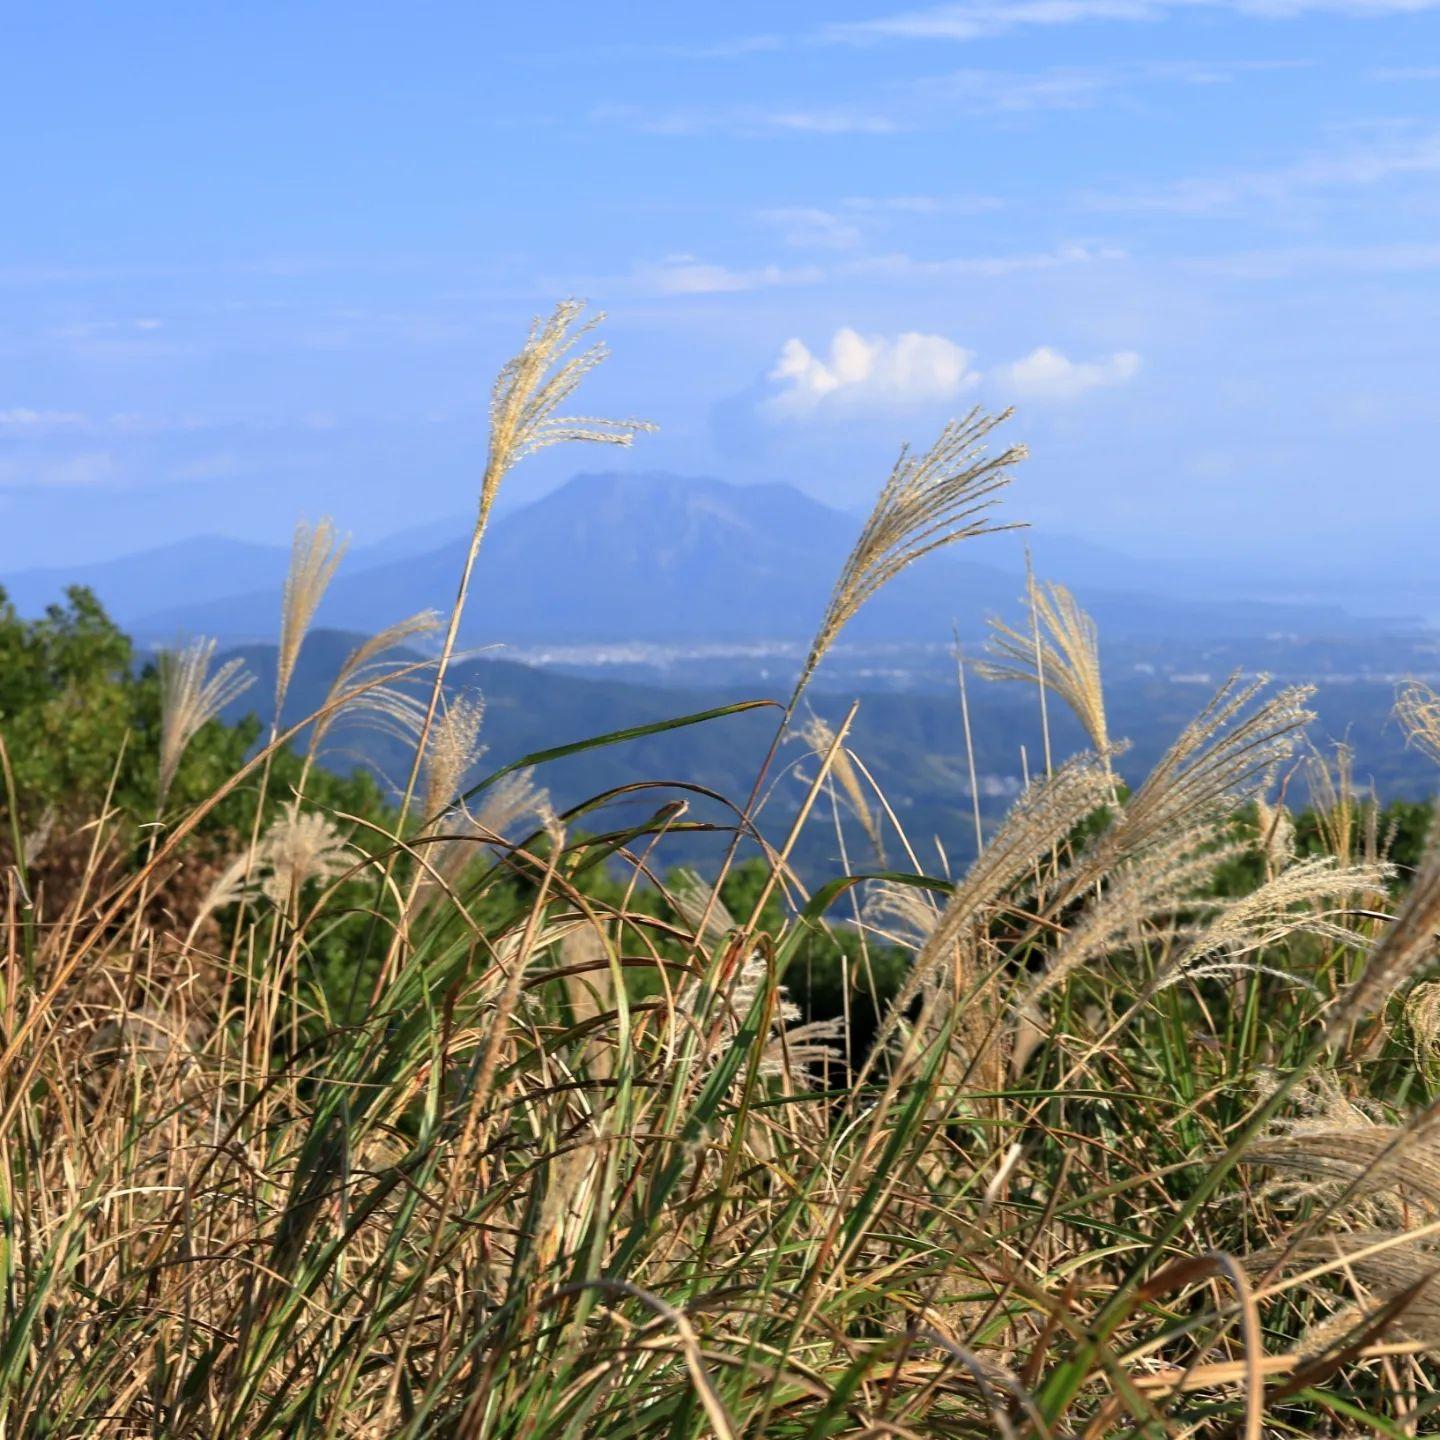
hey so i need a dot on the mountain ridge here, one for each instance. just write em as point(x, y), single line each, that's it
point(638, 556)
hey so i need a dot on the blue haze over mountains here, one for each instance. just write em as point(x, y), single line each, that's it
point(636, 597)
point(657, 558)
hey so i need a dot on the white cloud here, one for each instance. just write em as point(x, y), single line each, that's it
point(688, 275)
point(93, 467)
point(870, 372)
point(1046, 374)
point(980, 19)
point(810, 228)
point(753, 122)
point(30, 422)
point(1390, 158)
point(923, 204)
point(1395, 74)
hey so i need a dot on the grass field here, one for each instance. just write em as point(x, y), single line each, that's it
point(456, 1116)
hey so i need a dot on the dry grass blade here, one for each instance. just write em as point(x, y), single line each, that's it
point(190, 697)
point(1068, 660)
point(930, 500)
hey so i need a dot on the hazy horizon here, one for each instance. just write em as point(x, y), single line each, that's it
point(265, 267)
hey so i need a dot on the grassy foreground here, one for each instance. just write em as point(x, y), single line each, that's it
point(464, 1118)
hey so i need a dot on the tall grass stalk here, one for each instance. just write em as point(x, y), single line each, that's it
point(525, 1136)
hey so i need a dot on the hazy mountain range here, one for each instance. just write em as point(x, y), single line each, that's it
point(913, 744)
point(657, 558)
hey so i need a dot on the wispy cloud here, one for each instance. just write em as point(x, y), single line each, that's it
point(691, 275)
point(923, 204)
point(808, 227)
point(749, 121)
point(23, 421)
point(933, 102)
point(1361, 165)
point(91, 467)
point(982, 19)
point(1395, 258)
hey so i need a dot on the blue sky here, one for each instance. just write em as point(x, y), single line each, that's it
point(261, 260)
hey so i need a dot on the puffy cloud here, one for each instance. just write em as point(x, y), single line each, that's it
point(870, 372)
point(1046, 374)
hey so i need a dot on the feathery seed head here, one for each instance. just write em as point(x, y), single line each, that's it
point(1418, 710)
point(532, 386)
point(1223, 758)
point(1408, 945)
point(397, 711)
point(314, 555)
point(300, 846)
point(818, 735)
point(930, 500)
point(1037, 823)
point(1066, 658)
point(1275, 830)
point(512, 798)
point(190, 697)
point(454, 747)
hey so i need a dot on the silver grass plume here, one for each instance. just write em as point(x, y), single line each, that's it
point(532, 386)
point(300, 846)
point(1422, 1013)
point(930, 500)
point(1407, 946)
point(1386, 1265)
point(1137, 894)
point(790, 1048)
point(1381, 1182)
point(524, 402)
point(1275, 830)
point(190, 697)
point(1066, 659)
point(315, 553)
point(1418, 710)
point(1333, 798)
point(1290, 903)
point(509, 800)
point(512, 798)
point(397, 710)
point(454, 747)
point(698, 902)
point(1038, 822)
point(1222, 759)
point(1361, 1162)
point(821, 739)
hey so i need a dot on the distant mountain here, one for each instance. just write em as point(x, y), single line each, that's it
point(178, 579)
point(655, 558)
point(169, 578)
point(913, 744)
